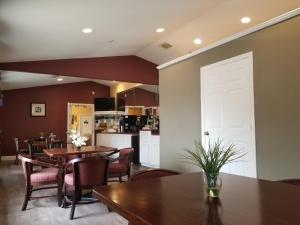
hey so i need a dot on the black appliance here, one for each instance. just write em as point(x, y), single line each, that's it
point(104, 104)
point(129, 123)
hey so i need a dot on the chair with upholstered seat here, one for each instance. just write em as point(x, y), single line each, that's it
point(19, 150)
point(152, 173)
point(87, 173)
point(121, 166)
point(39, 179)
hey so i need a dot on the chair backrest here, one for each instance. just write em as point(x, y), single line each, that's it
point(36, 146)
point(153, 173)
point(56, 144)
point(90, 172)
point(291, 181)
point(126, 156)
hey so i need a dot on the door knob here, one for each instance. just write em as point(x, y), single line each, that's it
point(206, 133)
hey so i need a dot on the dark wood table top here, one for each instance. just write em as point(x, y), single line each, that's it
point(71, 150)
point(181, 200)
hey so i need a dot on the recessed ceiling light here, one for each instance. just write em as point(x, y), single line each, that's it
point(60, 79)
point(159, 30)
point(87, 30)
point(246, 19)
point(198, 41)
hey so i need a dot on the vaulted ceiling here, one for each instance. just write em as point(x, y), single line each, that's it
point(48, 29)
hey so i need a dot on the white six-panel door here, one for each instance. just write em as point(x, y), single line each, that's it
point(227, 109)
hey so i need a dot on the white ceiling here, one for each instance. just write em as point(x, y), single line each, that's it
point(15, 80)
point(48, 29)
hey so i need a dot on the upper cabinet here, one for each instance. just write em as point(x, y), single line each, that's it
point(140, 101)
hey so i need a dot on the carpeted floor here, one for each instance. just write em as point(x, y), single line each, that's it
point(44, 211)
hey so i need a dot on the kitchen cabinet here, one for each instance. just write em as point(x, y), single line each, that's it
point(149, 149)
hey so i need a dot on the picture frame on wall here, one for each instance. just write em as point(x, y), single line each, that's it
point(38, 109)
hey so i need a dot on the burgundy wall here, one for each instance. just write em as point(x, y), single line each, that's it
point(121, 68)
point(15, 119)
point(139, 97)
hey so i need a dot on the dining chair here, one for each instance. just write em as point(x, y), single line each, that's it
point(36, 147)
point(56, 144)
point(152, 173)
point(45, 177)
point(88, 173)
point(19, 150)
point(121, 166)
point(291, 181)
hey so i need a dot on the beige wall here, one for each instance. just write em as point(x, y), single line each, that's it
point(276, 55)
point(119, 87)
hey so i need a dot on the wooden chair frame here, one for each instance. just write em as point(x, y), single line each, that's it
point(27, 164)
point(291, 181)
point(76, 188)
point(128, 172)
point(19, 150)
point(144, 172)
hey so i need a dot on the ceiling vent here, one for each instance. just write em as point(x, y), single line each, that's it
point(166, 45)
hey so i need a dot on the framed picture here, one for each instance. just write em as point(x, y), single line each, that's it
point(38, 109)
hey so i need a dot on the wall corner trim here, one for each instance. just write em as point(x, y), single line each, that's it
point(250, 30)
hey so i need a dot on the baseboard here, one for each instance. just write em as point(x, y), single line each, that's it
point(8, 158)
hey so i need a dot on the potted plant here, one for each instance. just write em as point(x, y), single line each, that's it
point(211, 160)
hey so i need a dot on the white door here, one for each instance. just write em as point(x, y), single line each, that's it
point(227, 109)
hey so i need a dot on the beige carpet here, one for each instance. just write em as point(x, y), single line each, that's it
point(44, 211)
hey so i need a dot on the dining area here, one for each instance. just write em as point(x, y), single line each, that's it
point(129, 194)
point(72, 170)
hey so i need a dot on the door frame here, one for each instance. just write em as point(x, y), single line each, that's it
point(69, 105)
point(249, 57)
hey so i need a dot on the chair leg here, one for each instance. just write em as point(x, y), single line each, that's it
point(73, 205)
point(59, 193)
point(16, 160)
point(120, 179)
point(27, 197)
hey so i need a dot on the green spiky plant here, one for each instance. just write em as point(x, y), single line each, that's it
point(212, 160)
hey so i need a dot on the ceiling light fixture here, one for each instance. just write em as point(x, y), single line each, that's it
point(198, 41)
point(60, 79)
point(159, 30)
point(246, 19)
point(87, 30)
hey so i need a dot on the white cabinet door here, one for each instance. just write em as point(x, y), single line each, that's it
point(155, 150)
point(149, 149)
point(145, 156)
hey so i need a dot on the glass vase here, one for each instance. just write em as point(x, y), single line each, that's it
point(213, 184)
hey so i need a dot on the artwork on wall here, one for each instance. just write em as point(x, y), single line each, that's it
point(38, 109)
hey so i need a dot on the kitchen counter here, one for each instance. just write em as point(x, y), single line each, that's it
point(105, 132)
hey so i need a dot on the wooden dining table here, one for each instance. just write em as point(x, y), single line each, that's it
point(72, 150)
point(182, 200)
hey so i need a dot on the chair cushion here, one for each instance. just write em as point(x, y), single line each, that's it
point(69, 179)
point(44, 176)
point(117, 168)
